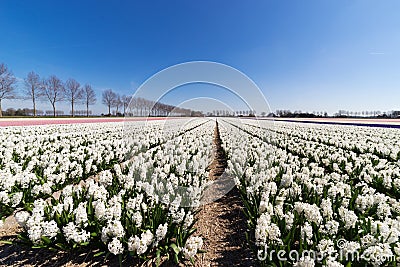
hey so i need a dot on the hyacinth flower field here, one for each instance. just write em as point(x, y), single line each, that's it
point(133, 194)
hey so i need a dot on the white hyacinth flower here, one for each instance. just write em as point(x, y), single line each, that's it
point(115, 246)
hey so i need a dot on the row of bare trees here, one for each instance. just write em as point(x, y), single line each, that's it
point(51, 89)
point(138, 106)
point(54, 90)
point(113, 100)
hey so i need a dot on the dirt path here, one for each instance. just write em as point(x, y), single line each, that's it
point(222, 223)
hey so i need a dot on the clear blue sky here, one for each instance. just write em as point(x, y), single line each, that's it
point(320, 55)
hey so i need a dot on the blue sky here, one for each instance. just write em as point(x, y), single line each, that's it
point(320, 55)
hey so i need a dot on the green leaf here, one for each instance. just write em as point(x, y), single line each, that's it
point(99, 254)
point(57, 218)
point(61, 246)
point(90, 207)
point(158, 254)
point(176, 258)
point(46, 240)
point(23, 238)
point(175, 248)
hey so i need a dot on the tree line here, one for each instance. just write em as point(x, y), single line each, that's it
point(51, 89)
point(143, 107)
point(54, 90)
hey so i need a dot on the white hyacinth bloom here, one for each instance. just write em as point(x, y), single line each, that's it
point(21, 217)
point(193, 244)
point(115, 246)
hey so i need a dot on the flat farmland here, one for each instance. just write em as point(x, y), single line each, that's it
point(134, 191)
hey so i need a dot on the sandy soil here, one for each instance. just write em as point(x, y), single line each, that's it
point(222, 223)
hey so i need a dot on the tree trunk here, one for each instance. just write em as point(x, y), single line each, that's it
point(109, 110)
point(72, 106)
point(54, 109)
point(34, 102)
point(1, 113)
point(34, 108)
point(87, 109)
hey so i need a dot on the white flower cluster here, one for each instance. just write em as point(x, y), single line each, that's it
point(121, 205)
point(72, 232)
point(317, 184)
point(37, 161)
point(36, 224)
point(193, 245)
point(266, 231)
point(140, 244)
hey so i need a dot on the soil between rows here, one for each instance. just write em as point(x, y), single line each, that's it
point(222, 223)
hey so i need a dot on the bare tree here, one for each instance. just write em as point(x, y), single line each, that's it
point(33, 88)
point(89, 97)
point(117, 103)
point(109, 99)
point(125, 102)
point(7, 81)
point(73, 93)
point(53, 90)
